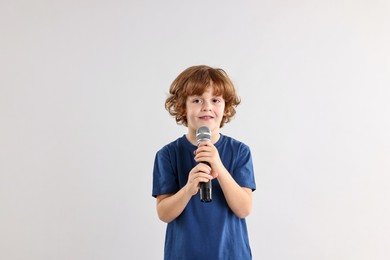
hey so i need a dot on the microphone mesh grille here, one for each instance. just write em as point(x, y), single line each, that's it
point(203, 133)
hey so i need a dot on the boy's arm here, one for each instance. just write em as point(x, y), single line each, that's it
point(238, 198)
point(170, 206)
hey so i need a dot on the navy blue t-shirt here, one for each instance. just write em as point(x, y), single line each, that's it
point(204, 230)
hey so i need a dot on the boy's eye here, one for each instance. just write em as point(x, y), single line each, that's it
point(216, 100)
point(196, 101)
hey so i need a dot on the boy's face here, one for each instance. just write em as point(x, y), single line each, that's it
point(205, 110)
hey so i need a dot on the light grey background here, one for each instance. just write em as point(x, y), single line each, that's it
point(82, 92)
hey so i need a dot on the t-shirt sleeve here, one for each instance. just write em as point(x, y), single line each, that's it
point(243, 172)
point(164, 175)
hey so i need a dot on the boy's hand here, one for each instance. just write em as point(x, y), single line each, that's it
point(200, 173)
point(207, 152)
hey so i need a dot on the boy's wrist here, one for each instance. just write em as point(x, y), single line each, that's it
point(221, 173)
point(187, 191)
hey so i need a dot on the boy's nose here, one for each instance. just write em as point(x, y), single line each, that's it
point(206, 106)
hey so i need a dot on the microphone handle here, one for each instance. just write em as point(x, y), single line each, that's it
point(206, 190)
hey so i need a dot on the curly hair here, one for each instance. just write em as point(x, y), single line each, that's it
point(194, 81)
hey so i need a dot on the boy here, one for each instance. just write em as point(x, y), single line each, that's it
point(204, 96)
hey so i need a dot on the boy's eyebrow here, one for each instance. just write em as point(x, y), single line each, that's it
point(199, 96)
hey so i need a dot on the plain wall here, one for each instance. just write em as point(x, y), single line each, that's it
point(82, 91)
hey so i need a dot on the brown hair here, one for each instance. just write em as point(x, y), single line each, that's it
point(194, 81)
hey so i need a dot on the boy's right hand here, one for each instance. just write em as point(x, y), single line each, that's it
point(200, 173)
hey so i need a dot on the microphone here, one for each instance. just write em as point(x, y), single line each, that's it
point(203, 133)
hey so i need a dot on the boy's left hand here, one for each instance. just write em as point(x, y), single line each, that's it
point(207, 152)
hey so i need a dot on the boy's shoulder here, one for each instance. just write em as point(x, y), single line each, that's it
point(175, 144)
point(225, 139)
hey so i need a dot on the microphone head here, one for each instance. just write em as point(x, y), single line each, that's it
point(203, 133)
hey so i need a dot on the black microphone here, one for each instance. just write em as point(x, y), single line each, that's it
point(203, 133)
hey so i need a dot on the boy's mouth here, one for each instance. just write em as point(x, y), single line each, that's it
point(206, 117)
